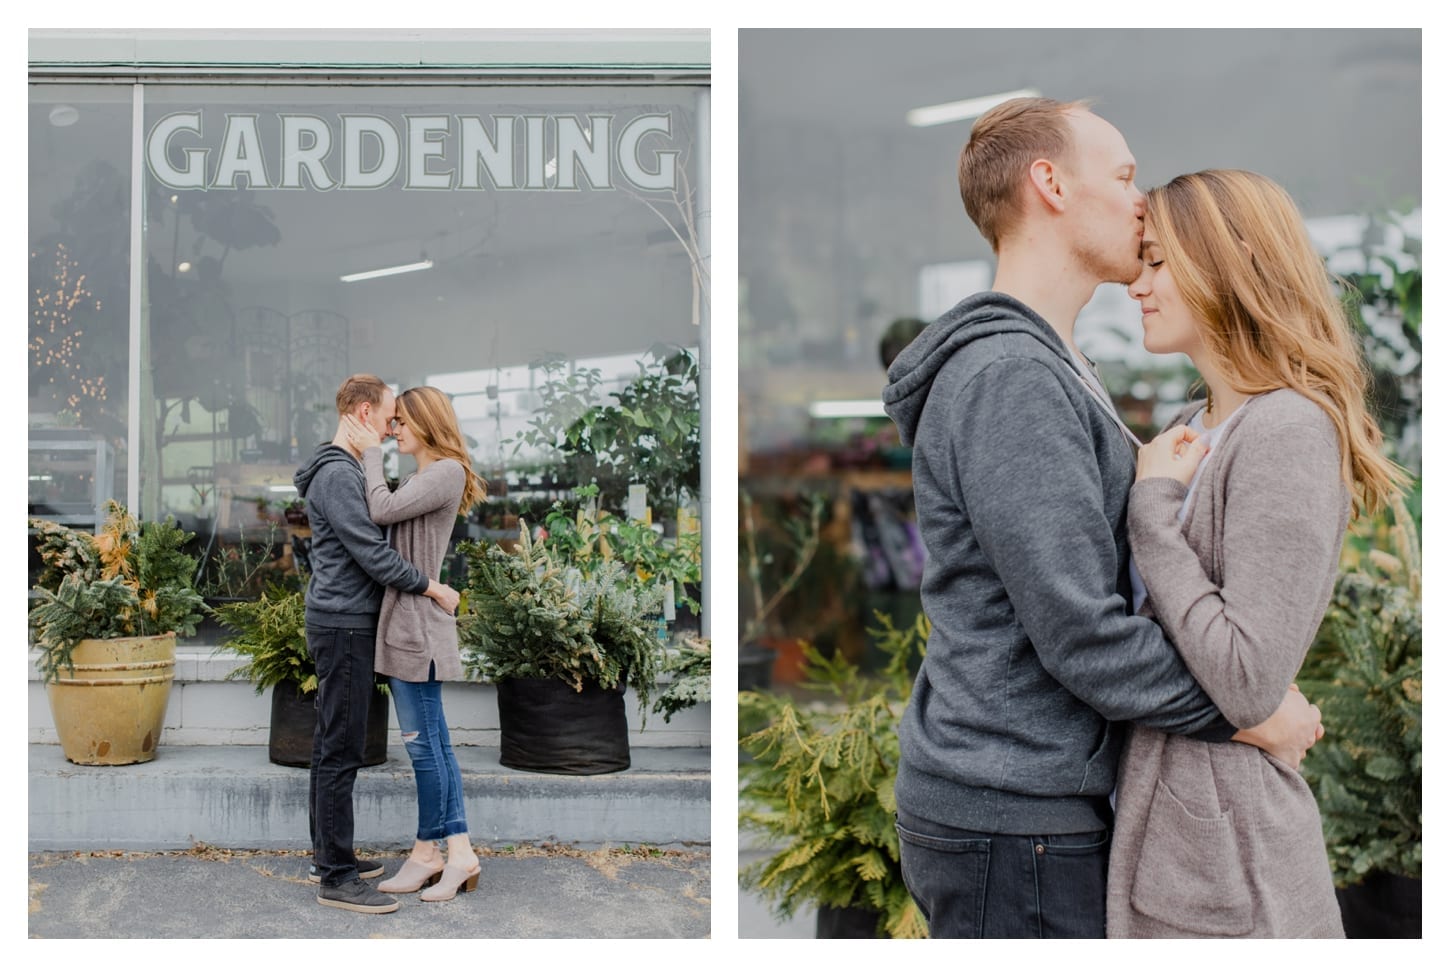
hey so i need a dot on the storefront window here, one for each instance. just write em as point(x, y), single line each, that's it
point(510, 245)
point(78, 295)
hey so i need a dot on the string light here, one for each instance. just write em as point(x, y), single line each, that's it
point(55, 340)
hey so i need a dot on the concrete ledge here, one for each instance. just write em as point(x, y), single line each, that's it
point(206, 709)
point(234, 797)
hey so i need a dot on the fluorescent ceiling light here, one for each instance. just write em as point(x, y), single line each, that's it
point(390, 270)
point(925, 117)
point(842, 409)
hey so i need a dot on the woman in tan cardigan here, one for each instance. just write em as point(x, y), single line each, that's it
point(1236, 523)
point(417, 641)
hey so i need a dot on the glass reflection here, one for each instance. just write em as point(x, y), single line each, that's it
point(520, 249)
point(79, 288)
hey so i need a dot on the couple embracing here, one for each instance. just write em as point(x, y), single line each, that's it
point(375, 604)
point(1104, 737)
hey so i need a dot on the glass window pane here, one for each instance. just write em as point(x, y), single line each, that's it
point(78, 298)
point(497, 243)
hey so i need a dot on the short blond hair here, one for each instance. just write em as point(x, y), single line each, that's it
point(1004, 142)
point(359, 389)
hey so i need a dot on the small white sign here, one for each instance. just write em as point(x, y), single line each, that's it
point(638, 502)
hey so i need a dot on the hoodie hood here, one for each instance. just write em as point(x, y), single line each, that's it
point(327, 453)
point(912, 373)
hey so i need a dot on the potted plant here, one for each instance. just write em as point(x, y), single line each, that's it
point(271, 633)
point(560, 646)
point(240, 570)
point(646, 433)
point(782, 565)
point(580, 535)
point(1365, 672)
point(110, 607)
point(818, 785)
point(689, 667)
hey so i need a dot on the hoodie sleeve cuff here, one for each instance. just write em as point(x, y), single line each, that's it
point(1222, 731)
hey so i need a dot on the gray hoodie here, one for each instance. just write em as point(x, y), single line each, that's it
point(1021, 478)
point(350, 557)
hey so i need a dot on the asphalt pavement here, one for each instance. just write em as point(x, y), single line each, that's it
point(524, 892)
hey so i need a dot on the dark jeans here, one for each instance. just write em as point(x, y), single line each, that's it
point(344, 659)
point(971, 884)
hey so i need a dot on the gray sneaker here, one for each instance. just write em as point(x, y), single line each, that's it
point(366, 870)
point(357, 896)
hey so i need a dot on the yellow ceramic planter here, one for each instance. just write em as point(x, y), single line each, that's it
point(109, 708)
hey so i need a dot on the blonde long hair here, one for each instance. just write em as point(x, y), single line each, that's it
point(1243, 263)
point(430, 415)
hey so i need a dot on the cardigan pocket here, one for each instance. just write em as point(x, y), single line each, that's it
point(1189, 872)
point(408, 625)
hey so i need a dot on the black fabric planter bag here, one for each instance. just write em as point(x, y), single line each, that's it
point(546, 726)
point(756, 662)
point(1383, 906)
point(294, 719)
point(847, 923)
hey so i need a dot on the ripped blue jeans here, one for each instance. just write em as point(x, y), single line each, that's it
point(435, 770)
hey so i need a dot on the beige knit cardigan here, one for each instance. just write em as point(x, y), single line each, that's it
point(414, 630)
point(1222, 839)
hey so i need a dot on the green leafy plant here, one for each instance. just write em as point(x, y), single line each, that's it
point(1384, 306)
point(782, 565)
point(271, 633)
point(819, 786)
point(1365, 672)
point(527, 616)
point(128, 579)
point(578, 535)
point(690, 666)
point(647, 433)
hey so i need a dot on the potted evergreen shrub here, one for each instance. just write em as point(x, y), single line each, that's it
point(109, 608)
point(690, 684)
point(1365, 672)
point(560, 646)
point(270, 632)
point(240, 570)
point(817, 784)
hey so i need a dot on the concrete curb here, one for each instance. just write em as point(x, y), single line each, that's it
point(234, 797)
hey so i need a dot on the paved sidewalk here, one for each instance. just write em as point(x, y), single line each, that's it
point(524, 892)
point(757, 919)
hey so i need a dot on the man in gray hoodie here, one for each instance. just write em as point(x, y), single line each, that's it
point(1021, 471)
point(351, 562)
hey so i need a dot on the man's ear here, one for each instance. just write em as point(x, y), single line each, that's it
point(1046, 184)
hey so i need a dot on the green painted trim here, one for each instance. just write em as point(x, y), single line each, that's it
point(430, 50)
